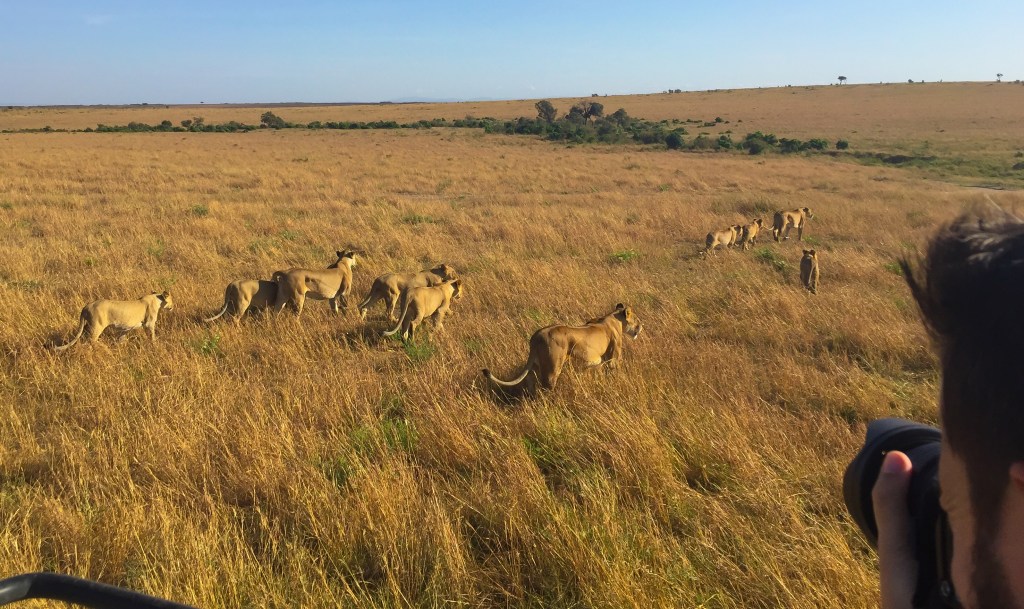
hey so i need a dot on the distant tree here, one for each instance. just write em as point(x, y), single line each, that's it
point(842, 79)
point(272, 120)
point(620, 117)
point(999, 77)
point(195, 124)
point(583, 111)
point(910, 80)
point(546, 111)
point(674, 141)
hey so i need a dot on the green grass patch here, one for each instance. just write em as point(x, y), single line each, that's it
point(624, 256)
point(417, 219)
point(209, 346)
point(772, 259)
point(419, 350)
point(157, 249)
point(894, 268)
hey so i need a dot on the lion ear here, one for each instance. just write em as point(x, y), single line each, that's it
point(340, 253)
point(620, 307)
point(813, 253)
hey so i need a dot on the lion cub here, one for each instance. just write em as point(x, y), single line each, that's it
point(423, 302)
point(725, 237)
point(124, 315)
point(809, 271)
point(748, 235)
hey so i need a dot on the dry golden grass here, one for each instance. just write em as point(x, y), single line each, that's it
point(869, 114)
point(310, 463)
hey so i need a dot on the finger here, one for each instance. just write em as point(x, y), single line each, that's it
point(897, 564)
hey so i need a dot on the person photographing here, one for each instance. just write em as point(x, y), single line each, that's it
point(968, 550)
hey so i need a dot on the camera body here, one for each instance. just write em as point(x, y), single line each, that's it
point(933, 542)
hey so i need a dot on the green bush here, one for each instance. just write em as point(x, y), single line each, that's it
point(842, 144)
point(703, 142)
point(788, 146)
point(273, 121)
point(674, 141)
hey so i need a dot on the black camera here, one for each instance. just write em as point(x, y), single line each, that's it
point(933, 542)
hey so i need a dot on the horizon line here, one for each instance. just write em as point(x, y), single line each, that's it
point(425, 100)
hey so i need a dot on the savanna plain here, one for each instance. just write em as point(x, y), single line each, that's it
point(312, 462)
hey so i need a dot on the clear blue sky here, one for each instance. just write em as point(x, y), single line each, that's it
point(111, 52)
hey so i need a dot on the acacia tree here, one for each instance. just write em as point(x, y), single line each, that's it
point(842, 79)
point(269, 119)
point(546, 111)
point(999, 77)
point(585, 110)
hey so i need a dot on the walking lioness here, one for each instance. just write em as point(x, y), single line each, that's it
point(245, 294)
point(124, 315)
point(783, 221)
point(726, 238)
point(332, 284)
point(597, 342)
point(420, 303)
point(390, 286)
point(748, 235)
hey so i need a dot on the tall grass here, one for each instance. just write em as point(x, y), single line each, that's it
point(308, 462)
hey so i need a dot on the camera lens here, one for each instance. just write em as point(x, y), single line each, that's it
point(932, 539)
point(919, 442)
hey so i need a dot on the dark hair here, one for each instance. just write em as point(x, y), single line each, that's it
point(970, 289)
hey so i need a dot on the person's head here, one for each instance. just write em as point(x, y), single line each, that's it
point(970, 290)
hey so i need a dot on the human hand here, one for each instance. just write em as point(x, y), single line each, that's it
point(897, 566)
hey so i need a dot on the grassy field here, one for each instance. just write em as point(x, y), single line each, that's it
point(310, 462)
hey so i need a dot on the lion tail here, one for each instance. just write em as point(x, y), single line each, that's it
point(227, 302)
point(81, 329)
point(369, 296)
point(401, 318)
point(514, 382)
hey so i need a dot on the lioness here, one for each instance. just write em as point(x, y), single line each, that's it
point(597, 342)
point(785, 220)
point(124, 315)
point(809, 271)
point(748, 235)
point(332, 284)
point(245, 294)
point(725, 237)
point(420, 303)
point(390, 286)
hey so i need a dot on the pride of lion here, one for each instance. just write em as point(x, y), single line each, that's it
point(745, 236)
point(430, 293)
